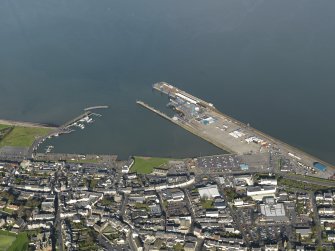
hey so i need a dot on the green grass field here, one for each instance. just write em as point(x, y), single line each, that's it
point(145, 165)
point(23, 136)
point(4, 126)
point(6, 241)
point(20, 244)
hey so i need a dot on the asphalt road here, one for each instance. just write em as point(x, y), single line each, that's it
point(58, 221)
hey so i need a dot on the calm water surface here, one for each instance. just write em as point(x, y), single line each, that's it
point(268, 63)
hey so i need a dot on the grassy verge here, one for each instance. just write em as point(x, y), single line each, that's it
point(300, 185)
point(5, 131)
point(145, 165)
point(23, 136)
point(311, 178)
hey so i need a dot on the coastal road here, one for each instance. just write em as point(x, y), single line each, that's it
point(25, 124)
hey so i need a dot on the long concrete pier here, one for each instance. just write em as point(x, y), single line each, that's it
point(150, 108)
point(76, 119)
point(87, 112)
point(185, 126)
point(204, 120)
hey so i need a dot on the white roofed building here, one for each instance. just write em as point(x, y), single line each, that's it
point(271, 182)
point(210, 191)
point(259, 192)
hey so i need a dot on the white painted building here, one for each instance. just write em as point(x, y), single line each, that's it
point(212, 213)
point(268, 182)
point(259, 192)
point(210, 191)
point(326, 211)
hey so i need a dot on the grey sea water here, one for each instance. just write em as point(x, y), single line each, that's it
point(268, 63)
